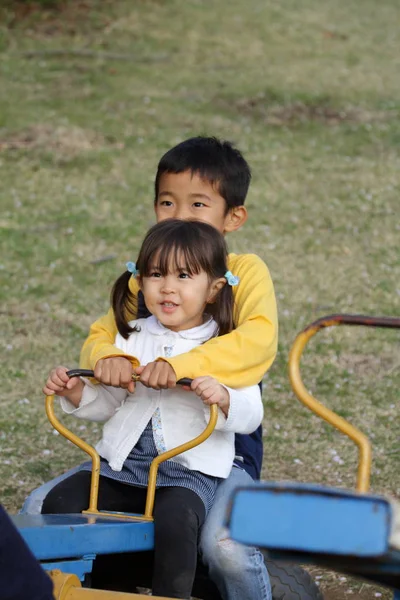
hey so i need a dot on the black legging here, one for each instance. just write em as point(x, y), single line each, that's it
point(178, 516)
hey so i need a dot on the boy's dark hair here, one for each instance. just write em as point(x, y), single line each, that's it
point(216, 161)
point(190, 245)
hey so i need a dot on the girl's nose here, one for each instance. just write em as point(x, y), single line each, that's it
point(168, 284)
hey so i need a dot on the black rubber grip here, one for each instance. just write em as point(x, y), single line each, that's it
point(89, 373)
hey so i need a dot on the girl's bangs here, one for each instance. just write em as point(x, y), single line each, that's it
point(174, 255)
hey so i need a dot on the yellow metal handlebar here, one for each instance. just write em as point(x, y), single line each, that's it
point(364, 446)
point(151, 488)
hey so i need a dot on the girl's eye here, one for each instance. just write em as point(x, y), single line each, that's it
point(155, 274)
point(184, 276)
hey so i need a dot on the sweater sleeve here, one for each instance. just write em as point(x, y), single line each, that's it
point(245, 413)
point(241, 357)
point(98, 403)
point(100, 342)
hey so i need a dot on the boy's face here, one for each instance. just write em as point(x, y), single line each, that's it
point(188, 197)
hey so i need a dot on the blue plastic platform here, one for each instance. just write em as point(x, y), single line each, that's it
point(312, 519)
point(54, 537)
point(307, 523)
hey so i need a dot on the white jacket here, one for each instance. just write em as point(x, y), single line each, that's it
point(183, 414)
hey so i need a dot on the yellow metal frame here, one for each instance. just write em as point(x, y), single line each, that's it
point(151, 488)
point(68, 587)
point(361, 440)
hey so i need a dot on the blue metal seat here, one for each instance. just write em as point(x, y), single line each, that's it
point(71, 542)
point(356, 533)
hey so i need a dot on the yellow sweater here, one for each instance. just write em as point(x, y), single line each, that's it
point(237, 359)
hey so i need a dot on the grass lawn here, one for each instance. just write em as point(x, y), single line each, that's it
point(91, 96)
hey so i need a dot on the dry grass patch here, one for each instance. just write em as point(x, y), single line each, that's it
point(298, 112)
point(50, 18)
point(370, 365)
point(67, 141)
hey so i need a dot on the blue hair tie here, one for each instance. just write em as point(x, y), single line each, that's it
point(131, 267)
point(231, 279)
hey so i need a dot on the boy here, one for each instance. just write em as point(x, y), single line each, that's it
point(206, 179)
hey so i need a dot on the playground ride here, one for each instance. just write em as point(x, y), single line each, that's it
point(352, 532)
point(67, 544)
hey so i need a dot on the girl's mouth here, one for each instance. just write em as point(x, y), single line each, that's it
point(168, 307)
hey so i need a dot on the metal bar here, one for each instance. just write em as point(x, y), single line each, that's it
point(364, 447)
point(68, 587)
point(345, 319)
point(87, 594)
point(151, 488)
point(69, 435)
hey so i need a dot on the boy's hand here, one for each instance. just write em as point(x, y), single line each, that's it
point(116, 371)
point(158, 375)
point(59, 383)
point(212, 392)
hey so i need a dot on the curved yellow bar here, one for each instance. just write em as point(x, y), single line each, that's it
point(94, 486)
point(151, 488)
point(364, 446)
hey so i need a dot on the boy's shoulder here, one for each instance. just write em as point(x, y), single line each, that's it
point(239, 263)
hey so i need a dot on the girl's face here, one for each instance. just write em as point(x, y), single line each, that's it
point(178, 299)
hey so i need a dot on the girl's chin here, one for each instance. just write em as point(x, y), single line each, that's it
point(167, 318)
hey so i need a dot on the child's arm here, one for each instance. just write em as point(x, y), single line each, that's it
point(100, 342)
point(83, 399)
point(241, 410)
point(241, 357)
point(60, 384)
point(111, 366)
point(98, 402)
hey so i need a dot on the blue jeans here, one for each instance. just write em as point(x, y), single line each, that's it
point(238, 571)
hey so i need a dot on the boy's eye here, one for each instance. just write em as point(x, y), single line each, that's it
point(198, 204)
point(165, 203)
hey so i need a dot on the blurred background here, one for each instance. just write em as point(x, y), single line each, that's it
point(93, 92)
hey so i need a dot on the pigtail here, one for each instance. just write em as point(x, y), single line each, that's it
point(123, 304)
point(222, 310)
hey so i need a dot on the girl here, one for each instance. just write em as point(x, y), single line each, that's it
point(182, 274)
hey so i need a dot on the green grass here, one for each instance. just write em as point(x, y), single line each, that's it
point(310, 92)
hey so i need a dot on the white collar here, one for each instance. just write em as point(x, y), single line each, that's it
point(202, 332)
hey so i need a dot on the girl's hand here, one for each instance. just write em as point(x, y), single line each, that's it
point(158, 375)
point(59, 383)
point(212, 392)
